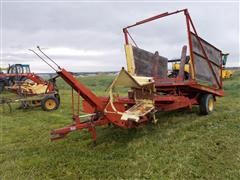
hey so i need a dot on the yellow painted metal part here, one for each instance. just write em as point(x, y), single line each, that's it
point(3, 68)
point(125, 79)
point(50, 104)
point(142, 106)
point(226, 74)
point(130, 59)
point(211, 104)
point(176, 66)
point(32, 88)
point(191, 68)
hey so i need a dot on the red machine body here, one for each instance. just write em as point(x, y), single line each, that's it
point(170, 93)
point(31, 76)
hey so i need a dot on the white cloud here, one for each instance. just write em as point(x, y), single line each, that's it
point(88, 36)
point(64, 51)
point(60, 51)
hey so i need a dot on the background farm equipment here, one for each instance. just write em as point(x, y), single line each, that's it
point(32, 95)
point(176, 68)
point(31, 90)
point(17, 74)
point(226, 73)
point(149, 89)
point(13, 73)
point(47, 102)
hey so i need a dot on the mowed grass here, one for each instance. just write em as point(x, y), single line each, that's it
point(182, 145)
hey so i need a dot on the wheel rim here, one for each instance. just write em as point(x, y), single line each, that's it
point(50, 104)
point(211, 104)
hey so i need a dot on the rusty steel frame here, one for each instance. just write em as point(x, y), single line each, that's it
point(189, 24)
point(171, 93)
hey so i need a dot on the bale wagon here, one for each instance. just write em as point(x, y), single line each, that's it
point(150, 88)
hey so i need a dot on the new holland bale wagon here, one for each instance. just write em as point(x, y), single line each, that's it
point(150, 88)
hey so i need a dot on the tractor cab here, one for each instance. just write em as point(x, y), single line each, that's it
point(26, 68)
point(18, 69)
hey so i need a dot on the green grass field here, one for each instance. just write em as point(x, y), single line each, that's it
point(182, 145)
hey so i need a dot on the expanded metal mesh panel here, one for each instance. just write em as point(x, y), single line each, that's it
point(149, 64)
point(202, 69)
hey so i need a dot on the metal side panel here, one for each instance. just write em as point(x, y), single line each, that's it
point(202, 69)
point(149, 64)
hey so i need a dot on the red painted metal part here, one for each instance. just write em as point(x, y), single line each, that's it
point(125, 31)
point(32, 76)
point(84, 92)
point(189, 24)
point(204, 53)
point(154, 18)
point(98, 105)
point(174, 102)
point(189, 41)
point(171, 94)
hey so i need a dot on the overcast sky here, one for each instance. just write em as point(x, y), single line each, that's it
point(88, 36)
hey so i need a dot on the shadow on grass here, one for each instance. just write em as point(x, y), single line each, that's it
point(121, 136)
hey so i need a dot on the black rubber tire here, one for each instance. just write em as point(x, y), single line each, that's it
point(204, 106)
point(173, 74)
point(1, 86)
point(58, 98)
point(45, 103)
point(22, 79)
point(11, 82)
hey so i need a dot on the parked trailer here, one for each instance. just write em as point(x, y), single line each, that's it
point(150, 90)
point(48, 102)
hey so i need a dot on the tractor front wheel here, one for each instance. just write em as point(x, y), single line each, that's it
point(207, 103)
point(49, 103)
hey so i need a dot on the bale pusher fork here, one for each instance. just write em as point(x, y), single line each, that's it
point(100, 110)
